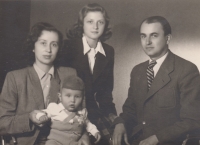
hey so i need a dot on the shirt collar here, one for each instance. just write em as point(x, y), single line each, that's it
point(86, 47)
point(61, 108)
point(160, 60)
point(41, 73)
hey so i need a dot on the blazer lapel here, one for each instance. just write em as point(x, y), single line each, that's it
point(100, 63)
point(55, 88)
point(82, 63)
point(85, 64)
point(36, 88)
point(162, 77)
point(81, 60)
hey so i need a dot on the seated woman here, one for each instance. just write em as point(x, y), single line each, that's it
point(28, 90)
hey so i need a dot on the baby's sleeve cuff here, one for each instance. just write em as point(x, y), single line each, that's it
point(38, 115)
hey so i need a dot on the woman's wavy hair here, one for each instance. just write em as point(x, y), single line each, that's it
point(77, 29)
point(33, 36)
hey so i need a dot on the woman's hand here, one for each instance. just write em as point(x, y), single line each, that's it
point(32, 117)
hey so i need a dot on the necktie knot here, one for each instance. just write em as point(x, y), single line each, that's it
point(152, 64)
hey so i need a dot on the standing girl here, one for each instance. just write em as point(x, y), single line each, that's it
point(94, 61)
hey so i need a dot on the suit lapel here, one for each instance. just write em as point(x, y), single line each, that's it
point(142, 79)
point(162, 78)
point(36, 88)
point(55, 88)
point(140, 82)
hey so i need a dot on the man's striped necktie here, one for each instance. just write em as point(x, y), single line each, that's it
point(150, 73)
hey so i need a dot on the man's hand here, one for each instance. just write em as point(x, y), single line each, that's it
point(32, 117)
point(84, 140)
point(152, 140)
point(119, 133)
point(97, 137)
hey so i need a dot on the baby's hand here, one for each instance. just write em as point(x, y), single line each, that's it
point(98, 137)
point(42, 117)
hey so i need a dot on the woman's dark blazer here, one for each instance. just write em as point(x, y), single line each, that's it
point(99, 85)
point(21, 94)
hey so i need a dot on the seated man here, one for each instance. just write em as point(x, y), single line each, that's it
point(163, 103)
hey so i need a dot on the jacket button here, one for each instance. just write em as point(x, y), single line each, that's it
point(143, 122)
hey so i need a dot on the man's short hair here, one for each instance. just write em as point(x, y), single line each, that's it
point(154, 19)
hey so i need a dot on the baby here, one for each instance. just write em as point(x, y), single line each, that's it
point(69, 117)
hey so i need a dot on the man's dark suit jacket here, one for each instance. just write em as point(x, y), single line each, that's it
point(21, 94)
point(171, 108)
point(99, 85)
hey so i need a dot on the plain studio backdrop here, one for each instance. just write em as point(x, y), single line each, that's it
point(125, 18)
